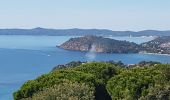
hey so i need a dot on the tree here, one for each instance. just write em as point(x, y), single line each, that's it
point(51, 79)
point(65, 91)
point(134, 83)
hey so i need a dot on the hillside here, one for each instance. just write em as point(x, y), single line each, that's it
point(100, 44)
point(100, 81)
point(159, 45)
point(81, 32)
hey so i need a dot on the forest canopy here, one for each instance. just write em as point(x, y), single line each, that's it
point(100, 81)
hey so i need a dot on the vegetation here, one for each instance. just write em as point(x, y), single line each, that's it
point(148, 63)
point(145, 64)
point(65, 91)
point(70, 64)
point(139, 82)
point(158, 93)
point(101, 71)
point(93, 74)
point(51, 79)
point(100, 81)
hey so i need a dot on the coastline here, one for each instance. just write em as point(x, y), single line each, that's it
point(156, 54)
point(116, 53)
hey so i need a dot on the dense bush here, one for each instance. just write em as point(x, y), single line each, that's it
point(101, 70)
point(137, 82)
point(158, 93)
point(100, 81)
point(94, 74)
point(48, 80)
point(65, 91)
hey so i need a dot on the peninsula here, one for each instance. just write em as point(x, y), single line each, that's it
point(100, 44)
point(160, 45)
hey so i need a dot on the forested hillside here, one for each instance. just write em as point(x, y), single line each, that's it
point(100, 81)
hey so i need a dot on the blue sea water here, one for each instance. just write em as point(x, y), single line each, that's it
point(24, 58)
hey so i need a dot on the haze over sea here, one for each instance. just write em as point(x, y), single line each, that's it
point(24, 58)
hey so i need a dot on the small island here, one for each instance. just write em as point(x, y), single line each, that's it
point(100, 44)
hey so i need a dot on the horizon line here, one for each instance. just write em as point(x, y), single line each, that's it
point(83, 29)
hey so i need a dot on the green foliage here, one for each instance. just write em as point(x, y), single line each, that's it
point(102, 71)
point(100, 81)
point(136, 82)
point(94, 74)
point(158, 93)
point(65, 91)
point(165, 69)
point(48, 80)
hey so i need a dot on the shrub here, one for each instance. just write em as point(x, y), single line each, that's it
point(158, 93)
point(102, 71)
point(95, 74)
point(99, 81)
point(51, 79)
point(65, 91)
point(136, 82)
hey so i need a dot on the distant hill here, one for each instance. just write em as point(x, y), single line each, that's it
point(81, 32)
point(159, 45)
point(100, 44)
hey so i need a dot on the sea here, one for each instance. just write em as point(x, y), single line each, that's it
point(24, 58)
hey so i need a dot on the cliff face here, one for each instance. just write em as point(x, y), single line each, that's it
point(159, 45)
point(100, 44)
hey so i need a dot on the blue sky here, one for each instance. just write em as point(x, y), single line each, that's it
point(103, 14)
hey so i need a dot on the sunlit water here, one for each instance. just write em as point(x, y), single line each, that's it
point(25, 57)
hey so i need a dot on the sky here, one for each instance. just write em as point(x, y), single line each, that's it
point(118, 15)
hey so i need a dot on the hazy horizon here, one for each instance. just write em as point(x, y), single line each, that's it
point(87, 29)
point(116, 15)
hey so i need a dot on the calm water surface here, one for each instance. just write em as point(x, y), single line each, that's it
point(25, 57)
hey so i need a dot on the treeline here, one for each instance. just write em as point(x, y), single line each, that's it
point(100, 81)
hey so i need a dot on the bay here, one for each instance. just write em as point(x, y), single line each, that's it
point(24, 58)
